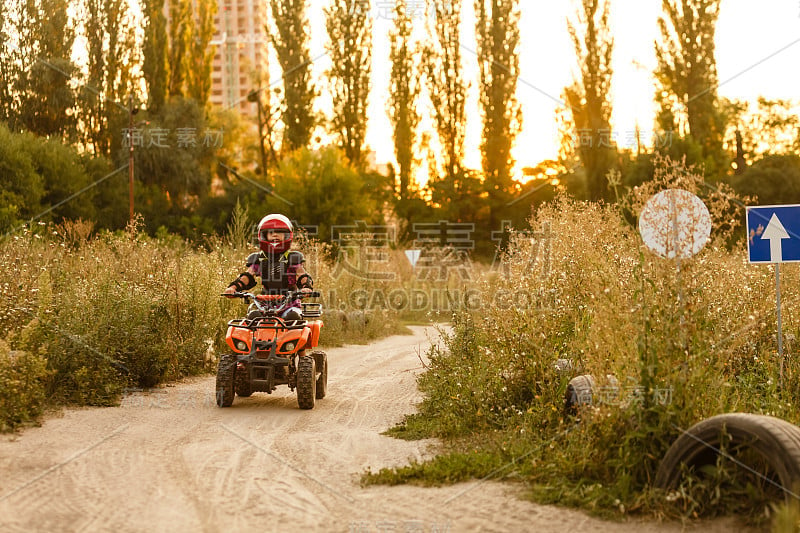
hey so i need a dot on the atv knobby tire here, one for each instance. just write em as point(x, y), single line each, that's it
point(244, 388)
point(321, 362)
point(225, 380)
point(773, 440)
point(306, 382)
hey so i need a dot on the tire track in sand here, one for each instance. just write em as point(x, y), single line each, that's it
point(182, 464)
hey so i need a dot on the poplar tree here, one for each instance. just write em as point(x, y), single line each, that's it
point(403, 93)
point(686, 74)
point(201, 53)
point(154, 47)
point(350, 50)
point(589, 97)
point(497, 32)
point(445, 83)
point(290, 39)
point(180, 35)
point(7, 49)
point(37, 68)
point(111, 59)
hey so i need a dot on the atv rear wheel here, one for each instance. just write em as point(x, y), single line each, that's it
point(306, 382)
point(244, 388)
point(321, 361)
point(225, 380)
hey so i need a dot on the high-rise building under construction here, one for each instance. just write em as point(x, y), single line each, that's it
point(240, 54)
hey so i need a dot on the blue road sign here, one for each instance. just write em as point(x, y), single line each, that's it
point(773, 233)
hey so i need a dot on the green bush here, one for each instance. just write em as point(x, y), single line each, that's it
point(22, 388)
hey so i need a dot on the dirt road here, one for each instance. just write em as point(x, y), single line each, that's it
point(170, 460)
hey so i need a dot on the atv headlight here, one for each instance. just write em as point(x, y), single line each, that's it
point(289, 346)
point(240, 345)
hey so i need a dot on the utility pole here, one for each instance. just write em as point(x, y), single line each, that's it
point(131, 140)
point(131, 112)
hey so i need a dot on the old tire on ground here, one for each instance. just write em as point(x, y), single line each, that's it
point(225, 380)
point(306, 382)
point(243, 386)
point(775, 442)
point(321, 362)
point(579, 392)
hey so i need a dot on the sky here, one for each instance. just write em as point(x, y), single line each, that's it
point(757, 53)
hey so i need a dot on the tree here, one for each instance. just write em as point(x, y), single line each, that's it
point(497, 32)
point(111, 60)
point(180, 34)
point(350, 49)
point(111, 197)
point(63, 176)
point(290, 39)
point(445, 84)
point(589, 97)
point(41, 178)
point(36, 95)
point(321, 189)
point(7, 48)
point(403, 94)
point(458, 198)
point(774, 179)
point(772, 128)
point(201, 54)
point(155, 54)
point(171, 163)
point(686, 76)
point(21, 188)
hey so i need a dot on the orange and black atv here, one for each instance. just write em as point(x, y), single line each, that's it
point(272, 351)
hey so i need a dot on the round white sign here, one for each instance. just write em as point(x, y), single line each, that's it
point(675, 223)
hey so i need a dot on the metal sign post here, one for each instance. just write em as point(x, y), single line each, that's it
point(675, 224)
point(780, 329)
point(773, 236)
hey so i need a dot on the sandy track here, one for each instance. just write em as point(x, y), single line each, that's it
point(171, 460)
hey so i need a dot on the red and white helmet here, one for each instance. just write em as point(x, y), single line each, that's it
point(275, 222)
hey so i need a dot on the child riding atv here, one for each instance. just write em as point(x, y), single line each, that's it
point(269, 345)
point(281, 269)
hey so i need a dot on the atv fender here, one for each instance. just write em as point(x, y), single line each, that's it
point(237, 334)
point(314, 326)
point(304, 338)
point(291, 335)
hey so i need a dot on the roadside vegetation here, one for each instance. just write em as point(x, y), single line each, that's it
point(668, 344)
point(86, 315)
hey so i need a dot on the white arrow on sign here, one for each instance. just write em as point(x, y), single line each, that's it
point(775, 232)
point(413, 257)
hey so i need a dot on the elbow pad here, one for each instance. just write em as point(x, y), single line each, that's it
point(244, 282)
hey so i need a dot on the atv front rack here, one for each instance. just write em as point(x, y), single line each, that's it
point(266, 322)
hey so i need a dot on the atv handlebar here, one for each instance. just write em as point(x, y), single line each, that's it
point(289, 296)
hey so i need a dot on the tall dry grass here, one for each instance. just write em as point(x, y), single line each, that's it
point(669, 344)
point(86, 315)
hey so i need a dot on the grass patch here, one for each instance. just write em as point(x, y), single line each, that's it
point(444, 469)
point(413, 427)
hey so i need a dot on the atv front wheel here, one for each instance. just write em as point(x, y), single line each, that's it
point(306, 382)
point(225, 379)
point(321, 360)
point(244, 388)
